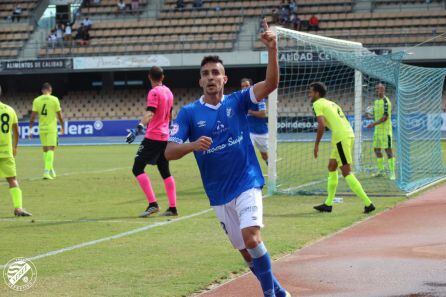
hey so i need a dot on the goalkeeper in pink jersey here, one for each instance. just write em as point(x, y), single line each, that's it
point(151, 150)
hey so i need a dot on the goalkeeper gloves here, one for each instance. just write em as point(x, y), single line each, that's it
point(134, 132)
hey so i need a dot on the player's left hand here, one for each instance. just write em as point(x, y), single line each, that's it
point(268, 37)
point(316, 151)
point(371, 125)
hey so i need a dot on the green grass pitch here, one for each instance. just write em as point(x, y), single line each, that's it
point(95, 196)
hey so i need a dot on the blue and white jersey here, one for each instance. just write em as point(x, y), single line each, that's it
point(258, 125)
point(229, 167)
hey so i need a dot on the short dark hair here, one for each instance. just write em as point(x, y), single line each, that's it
point(156, 73)
point(211, 59)
point(246, 79)
point(319, 87)
point(46, 86)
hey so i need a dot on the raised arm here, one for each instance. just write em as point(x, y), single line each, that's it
point(264, 88)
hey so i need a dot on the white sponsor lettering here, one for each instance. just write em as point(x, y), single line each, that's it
point(70, 129)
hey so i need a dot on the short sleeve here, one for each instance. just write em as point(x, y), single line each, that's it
point(152, 99)
point(318, 109)
point(58, 105)
point(246, 98)
point(35, 108)
point(179, 132)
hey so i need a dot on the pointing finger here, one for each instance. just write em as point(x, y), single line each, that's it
point(265, 24)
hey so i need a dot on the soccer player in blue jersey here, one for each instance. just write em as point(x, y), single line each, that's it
point(258, 124)
point(217, 128)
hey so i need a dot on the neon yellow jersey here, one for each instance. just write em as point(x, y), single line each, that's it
point(334, 118)
point(382, 107)
point(47, 107)
point(8, 117)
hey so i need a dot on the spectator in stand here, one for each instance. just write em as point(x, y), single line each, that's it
point(97, 2)
point(67, 36)
point(52, 39)
point(87, 23)
point(313, 23)
point(82, 36)
point(121, 7)
point(16, 13)
point(197, 4)
point(295, 21)
point(180, 5)
point(60, 29)
point(292, 6)
point(284, 15)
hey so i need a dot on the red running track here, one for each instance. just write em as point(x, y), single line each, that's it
point(400, 252)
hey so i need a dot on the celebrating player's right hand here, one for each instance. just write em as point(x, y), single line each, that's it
point(268, 37)
point(202, 144)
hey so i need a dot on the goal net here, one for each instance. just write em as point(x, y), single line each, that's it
point(353, 75)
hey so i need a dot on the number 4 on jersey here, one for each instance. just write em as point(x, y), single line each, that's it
point(44, 110)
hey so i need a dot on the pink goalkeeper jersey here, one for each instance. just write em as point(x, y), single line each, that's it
point(160, 98)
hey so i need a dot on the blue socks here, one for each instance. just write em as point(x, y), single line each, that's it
point(261, 267)
point(280, 292)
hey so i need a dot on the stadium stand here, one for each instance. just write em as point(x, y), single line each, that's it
point(14, 34)
point(382, 29)
point(250, 8)
point(109, 7)
point(8, 6)
point(216, 26)
point(153, 36)
point(130, 104)
point(88, 105)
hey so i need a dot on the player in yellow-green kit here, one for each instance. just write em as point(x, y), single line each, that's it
point(330, 115)
point(382, 137)
point(48, 108)
point(9, 138)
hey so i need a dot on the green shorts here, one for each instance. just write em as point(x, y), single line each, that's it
point(7, 167)
point(382, 140)
point(49, 138)
point(343, 151)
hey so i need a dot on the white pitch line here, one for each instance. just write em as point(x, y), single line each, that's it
point(81, 172)
point(131, 232)
point(141, 229)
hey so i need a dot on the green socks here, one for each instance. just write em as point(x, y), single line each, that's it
point(356, 187)
point(380, 162)
point(49, 159)
point(331, 187)
point(44, 159)
point(16, 195)
point(391, 165)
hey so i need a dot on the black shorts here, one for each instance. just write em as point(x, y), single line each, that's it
point(151, 151)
